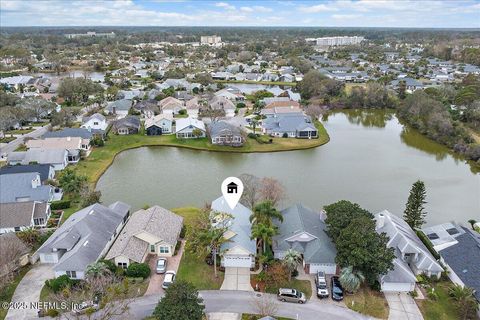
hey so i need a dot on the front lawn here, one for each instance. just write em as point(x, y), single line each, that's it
point(6, 293)
point(443, 308)
point(299, 285)
point(368, 302)
point(196, 271)
point(7, 139)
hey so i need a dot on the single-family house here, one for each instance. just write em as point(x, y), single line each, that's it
point(160, 124)
point(85, 134)
point(58, 158)
point(190, 128)
point(18, 216)
point(292, 126)
point(232, 95)
point(46, 171)
point(462, 258)
point(303, 230)
point(226, 134)
point(170, 105)
point(152, 231)
point(222, 103)
point(84, 238)
point(22, 187)
point(127, 125)
point(240, 250)
point(95, 122)
point(192, 107)
point(411, 85)
point(73, 145)
point(119, 108)
point(412, 256)
point(147, 107)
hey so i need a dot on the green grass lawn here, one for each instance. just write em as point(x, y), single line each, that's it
point(6, 293)
point(21, 147)
point(299, 285)
point(441, 309)
point(19, 131)
point(193, 268)
point(7, 139)
point(368, 302)
point(101, 158)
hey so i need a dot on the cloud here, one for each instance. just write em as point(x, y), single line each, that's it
point(224, 5)
point(317, 8)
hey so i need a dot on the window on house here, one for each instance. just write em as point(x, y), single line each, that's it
point(72, 274)
point(95, 123)
point(164, 249)
point(122, 265)
point(152, 248)
point(17, 229)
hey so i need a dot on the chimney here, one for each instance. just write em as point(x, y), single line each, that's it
point(380, 221)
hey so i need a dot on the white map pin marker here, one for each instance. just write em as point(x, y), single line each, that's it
point(232, 189)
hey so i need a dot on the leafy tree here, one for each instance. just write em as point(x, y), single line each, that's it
point(360, 246)
point(340, 215)
point(141, 270)
point(264, 213)
point(272, 190)
point(414, 213)
point(71, 182)
point(181, 302)
point(76, 90)
point(291, 260)
point(97, 269)
point(351, 279)
point(204, 78)
point(37, 107)
point(465, 301)
point(90, 196)
point(30, 236)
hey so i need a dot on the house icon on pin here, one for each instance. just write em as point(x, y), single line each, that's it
point(232, 187)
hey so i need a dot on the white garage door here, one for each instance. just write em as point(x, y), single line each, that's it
point(397, 287)
point(237, 261)
point(47, 258)
point(328, 268)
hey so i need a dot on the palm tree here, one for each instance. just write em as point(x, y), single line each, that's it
point(351, 279)
point(472, 223)
point(97, 269)
point(291, 260)
point(265, 233)
point(464, 299)
point(212, 240)
point(264, 213)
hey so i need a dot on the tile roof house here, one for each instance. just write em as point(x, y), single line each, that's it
point(159, 124)
point(18, 216)
point(171, 105)
point(193, 107)
point(185, 128)
point(22, 187)
point(412, 256)
point(226, 134)
point(303, 230)
point(58, 158)
point(46, 171)
point(152, 231)
point(83, 239)
point(463, 260)
point(240, 249)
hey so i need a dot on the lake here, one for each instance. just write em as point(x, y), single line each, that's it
point(372, 159)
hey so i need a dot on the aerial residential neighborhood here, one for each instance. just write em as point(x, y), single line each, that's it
point(240, 160)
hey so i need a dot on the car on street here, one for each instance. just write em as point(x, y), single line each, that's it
point(291, 295)
point(169, 279)
point(337, 290)
point(321, 285)
point(161, 265)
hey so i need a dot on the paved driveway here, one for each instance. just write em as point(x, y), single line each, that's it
point(237, 279)
point(402, 307)
point(28, 290)
point(156, 280)
point(12, 145)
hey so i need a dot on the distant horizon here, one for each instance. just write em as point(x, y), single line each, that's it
point(239, 27)
point(405, 14)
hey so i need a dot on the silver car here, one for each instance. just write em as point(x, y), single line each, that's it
point(161, 265)
point(169, 279)
point(291, 295)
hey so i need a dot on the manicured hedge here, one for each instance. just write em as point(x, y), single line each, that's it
point(138, 270)
point(60, 204)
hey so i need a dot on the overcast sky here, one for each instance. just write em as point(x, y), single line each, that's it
point(348, 13)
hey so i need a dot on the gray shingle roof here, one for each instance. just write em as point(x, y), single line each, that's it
point(69, 132)
point(120, 105)
point(298, 220)
point(42, 156)
point(19, 185)
point(220, 127)
point(16, 214)
point(85, 235)
point(464, 259)
point(287, 123)
point(156, 221)
point(42, 169)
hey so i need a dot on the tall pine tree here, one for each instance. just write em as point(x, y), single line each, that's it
point(415, 213)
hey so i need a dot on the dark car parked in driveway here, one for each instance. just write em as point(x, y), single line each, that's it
point(337, 290)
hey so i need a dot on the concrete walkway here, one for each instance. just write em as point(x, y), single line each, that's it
point(28, 290)
point(402, 307)
point(237, 279)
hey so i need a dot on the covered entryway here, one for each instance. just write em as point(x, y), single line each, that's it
point(237, 279)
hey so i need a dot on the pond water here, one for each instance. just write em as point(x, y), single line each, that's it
point(372, 159)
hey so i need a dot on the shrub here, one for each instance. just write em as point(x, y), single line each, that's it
point(252, 135)
point(60, 204)
point(59, 283)
point(110, 265)
point(177, 247)
point(52, 313)
point(182, 112)
point(138, 270)
point(285, 135)
point(183, 232)
point(241, 105)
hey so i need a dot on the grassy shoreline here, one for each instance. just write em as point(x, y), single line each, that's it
point(101, 158)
